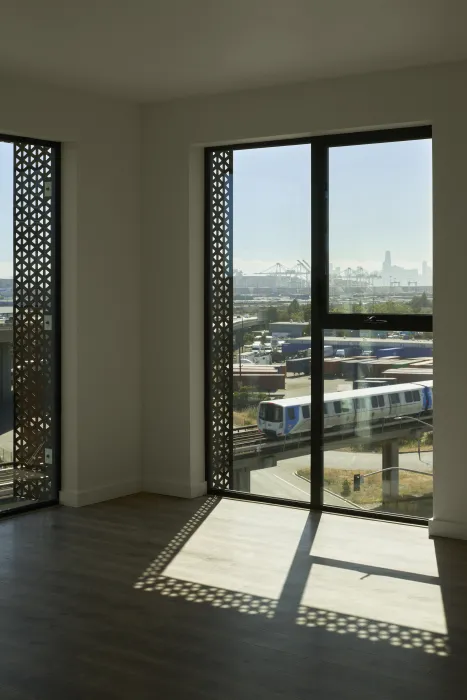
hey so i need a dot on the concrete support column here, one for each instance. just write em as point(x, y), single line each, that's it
point(241, 480)
point(390, 470)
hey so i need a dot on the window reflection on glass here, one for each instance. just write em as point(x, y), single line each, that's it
point(380, 228)
point(378, 423)
point(272, 313)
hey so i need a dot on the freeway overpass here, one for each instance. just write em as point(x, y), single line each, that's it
point(242, 324)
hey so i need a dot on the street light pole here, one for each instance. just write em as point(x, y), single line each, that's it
point(419, 420)
point(429, 425)
point(240, 348)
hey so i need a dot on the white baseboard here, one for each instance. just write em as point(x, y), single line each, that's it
point(447, 528)
point(76, 499)
point(173, 488)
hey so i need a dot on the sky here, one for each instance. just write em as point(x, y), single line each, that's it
point(6, 210)
point(380, 198)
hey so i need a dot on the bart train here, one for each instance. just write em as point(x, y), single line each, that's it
point(346, 411)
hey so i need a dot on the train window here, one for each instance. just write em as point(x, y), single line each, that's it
point(358, 404)
point(291, 413)
point(270, 412)
point(306, 411)
point(381, 401)
point(346, 405)
point(325, 409)
point(408, 397)
point(394, 399)
point(416, 395)
point(337, 407)
point(277, 415)
point(374, 401)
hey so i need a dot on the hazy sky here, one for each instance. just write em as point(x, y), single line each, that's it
point(6, 210)
point(380, 198)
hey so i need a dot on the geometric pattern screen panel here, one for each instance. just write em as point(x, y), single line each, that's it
point(34, 303)
point(219, 319)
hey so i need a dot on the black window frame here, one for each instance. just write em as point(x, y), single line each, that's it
point(321, 317)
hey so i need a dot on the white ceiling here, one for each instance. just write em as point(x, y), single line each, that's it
point(160, 49)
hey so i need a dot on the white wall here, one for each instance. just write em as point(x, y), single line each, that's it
point(173, 136)
point(101, 281)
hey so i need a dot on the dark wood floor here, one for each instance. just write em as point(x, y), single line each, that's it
point(150, 597)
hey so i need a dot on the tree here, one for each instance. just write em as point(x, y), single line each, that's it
point(306, 313)
point(345, 488)
point(295, 311)
point(271, 314)
point(416, 304)
point(247, 396)
point(283, 315)
point(294, 307)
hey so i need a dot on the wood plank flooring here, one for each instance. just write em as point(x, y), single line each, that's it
point(149, 597)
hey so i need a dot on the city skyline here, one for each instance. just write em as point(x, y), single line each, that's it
point(379, 187)
point(424, 268)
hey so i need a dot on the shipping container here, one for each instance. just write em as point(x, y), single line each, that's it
point(301, 365)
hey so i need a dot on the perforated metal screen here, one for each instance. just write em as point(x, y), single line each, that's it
point(35, 383)
point(220, 319)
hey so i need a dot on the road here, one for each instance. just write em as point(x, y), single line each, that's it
point(282, 482)
point(372, 460)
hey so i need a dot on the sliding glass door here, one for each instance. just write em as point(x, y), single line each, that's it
point(319, 322)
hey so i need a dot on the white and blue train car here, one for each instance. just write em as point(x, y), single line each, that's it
point(346, 411)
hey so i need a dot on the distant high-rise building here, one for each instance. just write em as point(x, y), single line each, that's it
point(394, 274)
point(387, 265)
point(427, 274)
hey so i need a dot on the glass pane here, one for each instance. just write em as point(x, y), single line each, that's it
point(379, 454)
point(380, 228)
point(6, 324)
point(272, 311)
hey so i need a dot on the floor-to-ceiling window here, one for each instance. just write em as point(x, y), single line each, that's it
point(29, 323)
point(319, 321)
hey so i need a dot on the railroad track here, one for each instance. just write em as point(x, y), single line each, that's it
point(252, 440)
point(247, 438)
point(6, 482)
point(247, 434)
point(7, 479)
point(243, 429)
